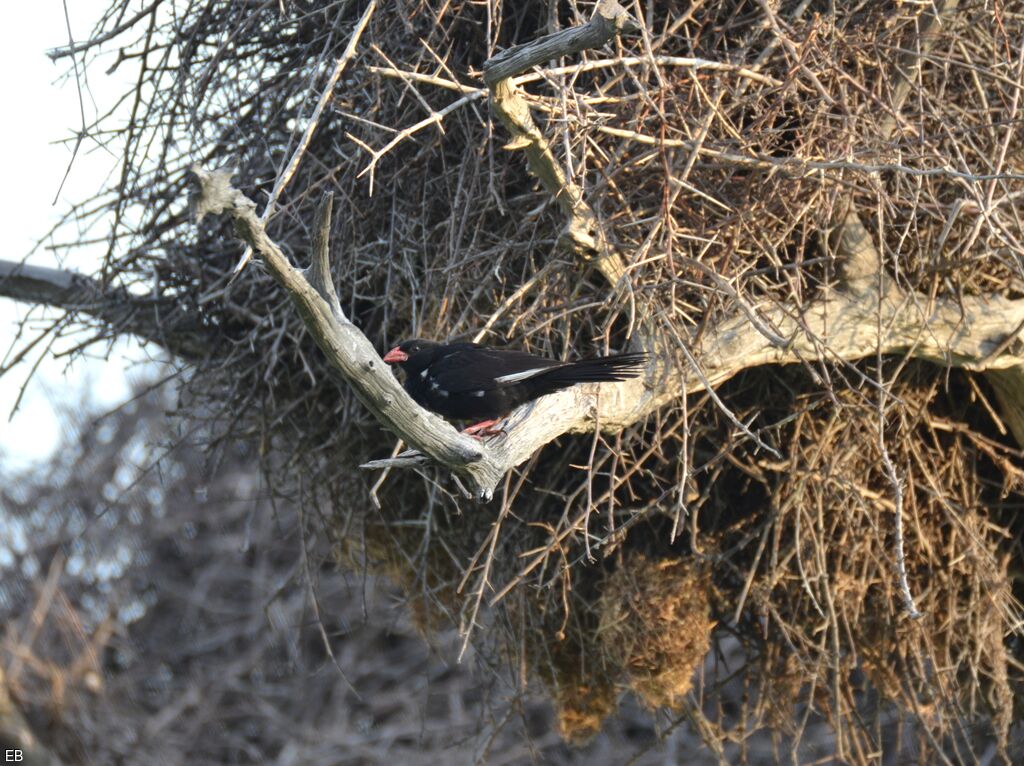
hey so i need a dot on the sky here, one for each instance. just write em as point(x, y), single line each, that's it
point(41, 111)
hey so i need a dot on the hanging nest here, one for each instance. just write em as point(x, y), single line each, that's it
point(655, 624)
point(583, 693)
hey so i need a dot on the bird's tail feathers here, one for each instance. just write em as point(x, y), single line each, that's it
point(602, 369)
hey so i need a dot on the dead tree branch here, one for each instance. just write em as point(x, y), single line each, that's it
point(841, 326)
point(346, 347)
point(583, 229)
point(160, 321)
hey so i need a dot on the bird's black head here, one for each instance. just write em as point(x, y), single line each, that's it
point(414, 355)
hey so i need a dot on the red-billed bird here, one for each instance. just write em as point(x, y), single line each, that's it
point(467, 381)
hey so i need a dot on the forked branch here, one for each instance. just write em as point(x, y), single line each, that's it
point(346, 348)
point(583, 230)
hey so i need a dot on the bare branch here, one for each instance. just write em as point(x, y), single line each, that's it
point(851, 322)
point(583, 228)
point(346, 347)
point(92, 42)
point(843, 325)
point(609, 20)
point(157, 320)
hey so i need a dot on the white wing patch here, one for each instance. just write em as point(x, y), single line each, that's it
point(434, 385)
point(517, 376)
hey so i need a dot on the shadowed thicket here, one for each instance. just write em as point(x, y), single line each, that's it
point(158, 608)
point(602, 549)
point(173, 617)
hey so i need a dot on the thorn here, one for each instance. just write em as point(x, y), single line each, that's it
point(246, 257)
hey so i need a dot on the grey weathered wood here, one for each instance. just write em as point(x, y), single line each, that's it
point(609, 20)
point(319, 271)
point(346, 348)
point(849, 322)
point(157, 320)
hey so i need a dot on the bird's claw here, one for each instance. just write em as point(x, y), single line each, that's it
point(484, 429)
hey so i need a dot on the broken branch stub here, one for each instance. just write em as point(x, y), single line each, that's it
point(609, 20)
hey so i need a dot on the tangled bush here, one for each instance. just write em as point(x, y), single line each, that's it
point(757, 522)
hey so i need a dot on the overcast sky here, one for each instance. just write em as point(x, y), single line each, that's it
point(39, 112)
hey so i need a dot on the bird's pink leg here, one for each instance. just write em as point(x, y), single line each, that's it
point(484, 428)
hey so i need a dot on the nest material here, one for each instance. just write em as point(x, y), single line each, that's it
point(457, 241)
point(838, 569)
point(583, 701)
point(655, 624)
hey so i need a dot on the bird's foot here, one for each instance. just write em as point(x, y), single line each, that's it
point(484, 428)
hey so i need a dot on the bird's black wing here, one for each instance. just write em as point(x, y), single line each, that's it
point(467, 367)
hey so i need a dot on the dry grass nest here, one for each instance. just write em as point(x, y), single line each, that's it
point(655, 625)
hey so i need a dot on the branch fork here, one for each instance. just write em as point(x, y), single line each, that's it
point(347, 349)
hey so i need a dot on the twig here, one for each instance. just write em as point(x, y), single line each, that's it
point(74, 48)
point(897, 490)
point(82, 130)
point(632, 61)
point(286, 175)
point(435, 118)
point(806, 167)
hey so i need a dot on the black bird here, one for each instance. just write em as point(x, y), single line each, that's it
point(467, 381)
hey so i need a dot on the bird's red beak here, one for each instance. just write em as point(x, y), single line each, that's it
point(395, 356)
